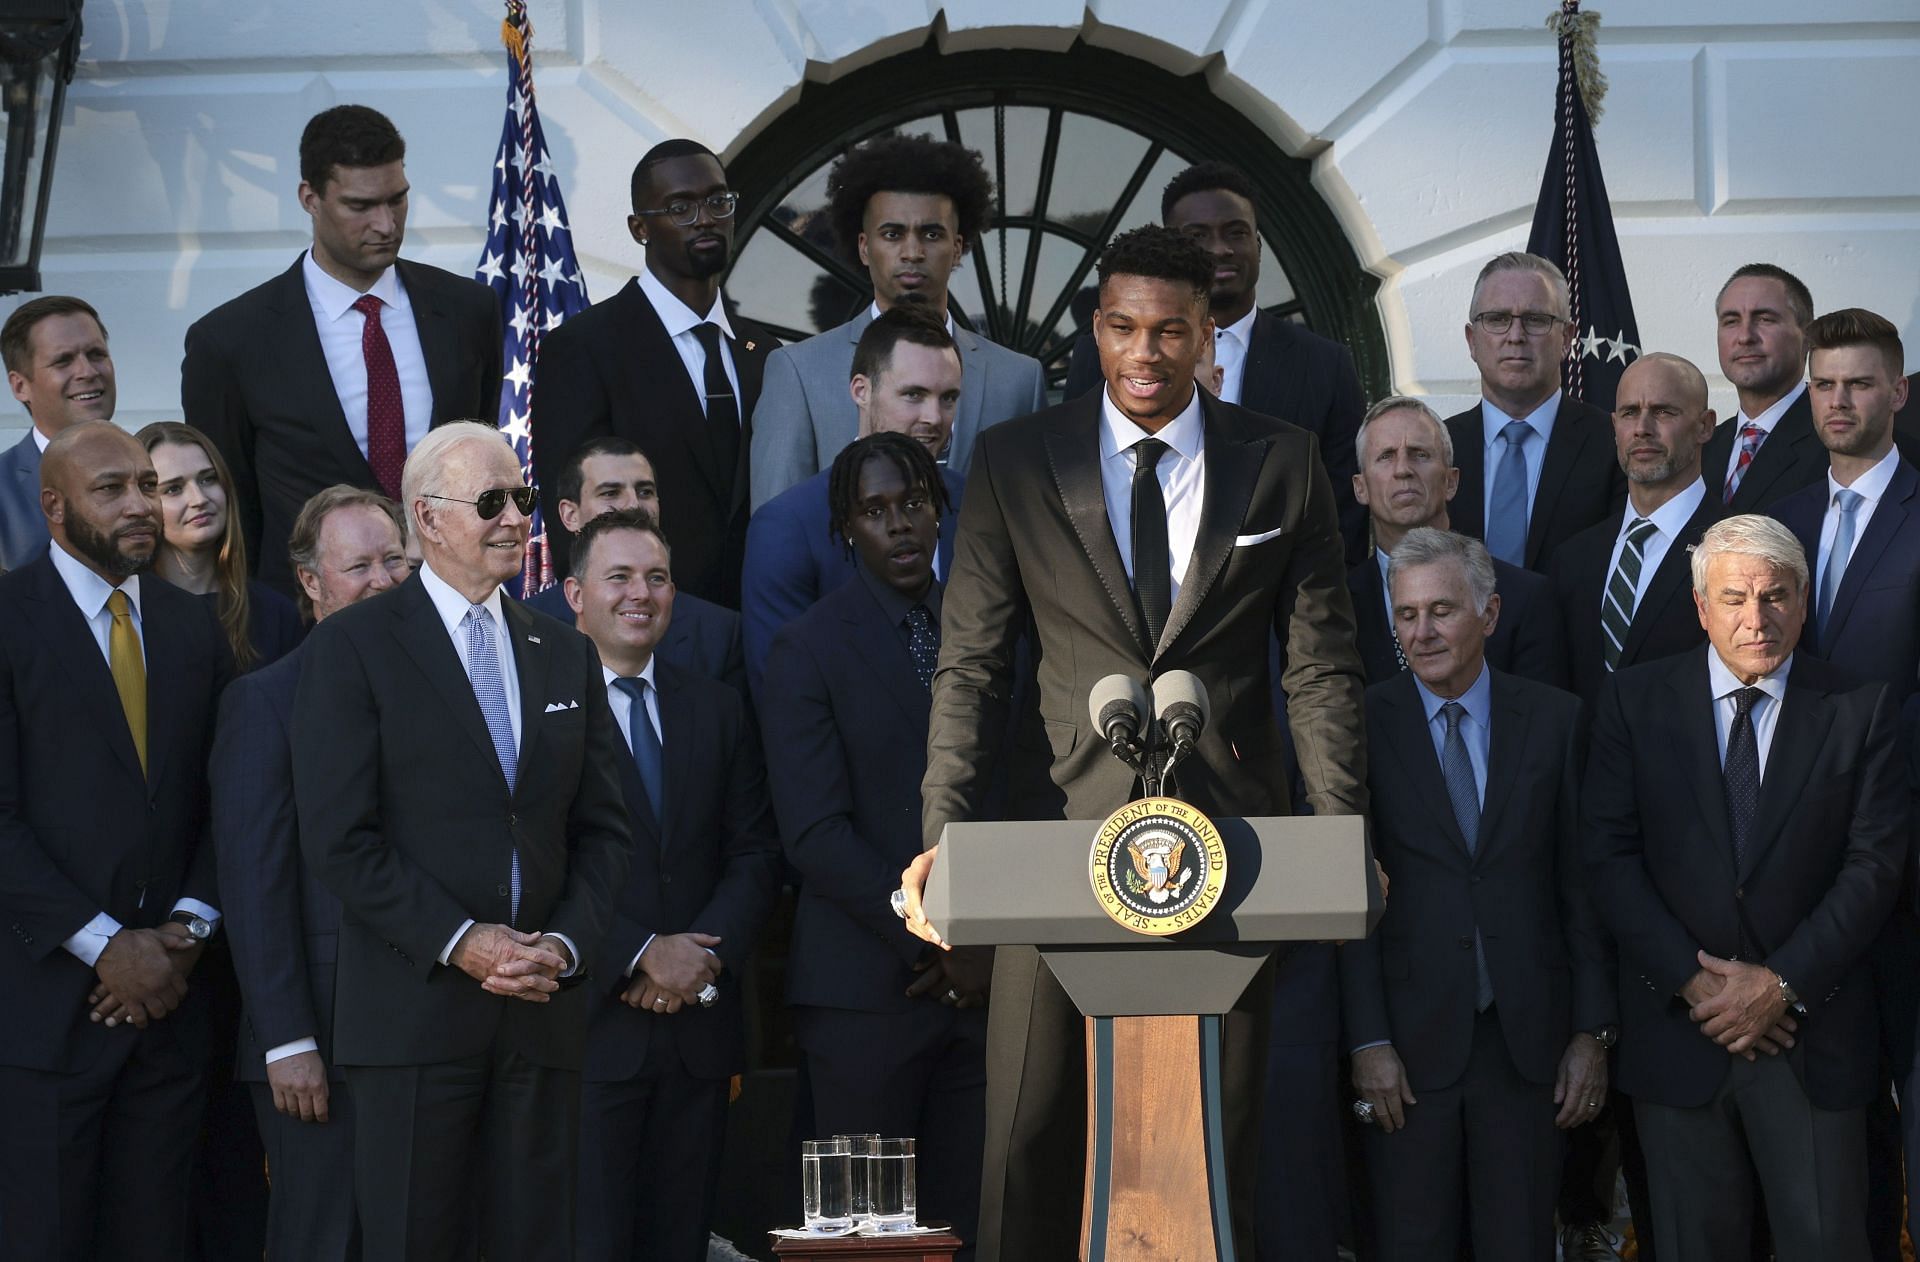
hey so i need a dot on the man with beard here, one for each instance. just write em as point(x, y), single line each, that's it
point(108, 682)
point(55, 349)
point(662, 364)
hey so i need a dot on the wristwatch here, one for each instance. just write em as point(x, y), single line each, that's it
point(198, 928)
point(1606, 1036)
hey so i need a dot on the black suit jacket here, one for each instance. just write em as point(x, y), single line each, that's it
point(1792, 457)
point(702, 637)
point(612, 369)
point(404, 814)
point(1874, 629)
point(1527, 641)
point(1413, 982)
point(711, 866)
point(1298, 376)
point(1665, 620)
point(81, 830)
point(1822, 871)
point(255, 381)
point(1580, 478)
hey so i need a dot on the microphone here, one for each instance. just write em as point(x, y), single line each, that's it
point(1119, 706)
point(1180, 703)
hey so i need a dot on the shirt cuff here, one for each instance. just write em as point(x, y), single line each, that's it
point(91, 940)
point(635, 964)
point(291, 1049)
point(572, 950)
point(195, 907)
point(454, 941)
point(1376, 1043)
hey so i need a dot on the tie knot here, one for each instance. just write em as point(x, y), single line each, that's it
point(1638, 529)
point(1454, 712)
point(1514, 433)
point(1743, 703)
point(475, 613)
point(1751, 433)
point(118, 605)
point(919, 618)
point(1147, 453)
point(709, 334)
point(1847, 501)
point(368, 306)
point(634, 686)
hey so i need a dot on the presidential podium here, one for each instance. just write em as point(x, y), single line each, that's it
point(1156, 1184)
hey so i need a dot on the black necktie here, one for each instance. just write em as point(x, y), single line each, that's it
point(923, 643)
point(1742, 775)
point(1152, 573)
point(723, 410)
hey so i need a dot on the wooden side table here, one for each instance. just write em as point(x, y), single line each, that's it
point(936, 1247)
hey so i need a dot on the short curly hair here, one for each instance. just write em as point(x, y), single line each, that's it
point(907, 164)
point(914, 462)
point(1158, 253)
point(1205, 177)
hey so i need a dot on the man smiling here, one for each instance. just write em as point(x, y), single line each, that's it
point(55, 349)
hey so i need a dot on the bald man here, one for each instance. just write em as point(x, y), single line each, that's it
point(108, 682)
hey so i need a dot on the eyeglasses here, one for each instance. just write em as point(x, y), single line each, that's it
point(1536, 323)
point(493, 503)
point(685, 211)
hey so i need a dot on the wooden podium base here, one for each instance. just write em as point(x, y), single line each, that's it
point(1156, 1150)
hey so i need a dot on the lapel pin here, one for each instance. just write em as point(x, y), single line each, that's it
point(533, 639)
point(749, 345)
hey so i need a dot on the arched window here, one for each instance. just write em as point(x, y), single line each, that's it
point(1080, 145)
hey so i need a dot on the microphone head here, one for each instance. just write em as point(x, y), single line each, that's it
point(1118, 689)
point(1178, 687)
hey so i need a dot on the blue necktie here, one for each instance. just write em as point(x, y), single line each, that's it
point(489, 689)
point(1456, 767)
point(1507, 513)
point(923, 643)
point(645, 742)
point(1848, 502)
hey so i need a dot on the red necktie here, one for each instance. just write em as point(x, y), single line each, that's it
point(386, 416)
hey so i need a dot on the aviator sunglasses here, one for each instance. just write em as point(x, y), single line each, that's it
point(493, 503)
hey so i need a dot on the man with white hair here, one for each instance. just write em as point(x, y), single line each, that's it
point(456, 778)
point(1745, 826)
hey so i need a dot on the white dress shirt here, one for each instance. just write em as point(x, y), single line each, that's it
point(40, 440)
point(1182, 474)
point(873, 313)
point(1766, 421)
point(340, 327)
point(680, 321)
point(623, 715)
point(1766, 708)
point(1871, 486)
point(1230, 347)
point(1533, 450)
point(1668, 521)
point(90, 593)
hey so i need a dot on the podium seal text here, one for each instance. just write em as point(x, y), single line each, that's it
point(1158, 866)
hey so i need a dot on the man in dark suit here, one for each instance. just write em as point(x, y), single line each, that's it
point(1483, 999)
point(610, 474)
point(335, 369)
point(1406, 481)
point(1536, 466)
point(1745, 824)
point(1769, 450)
point(663, 364)
point(108, 682)
point(892, 1029)
point(1621, 585)
point(1269, 364)
point(667, 1030)
point(456, 778)
point(55, 351)
point(906, 380)
point(1077, 519)
point(283, 923)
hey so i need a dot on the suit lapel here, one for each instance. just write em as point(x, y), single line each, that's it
point(1264, 381)
point(1672, 580)
point(1413, 745)
point(1507, 738)
point(750, 349)
point(1786, 446)
point(166, 675)
point(1233, 468)
point(1700, 749)
point(437, 345)
point(1798, 737)
point(1468, 510)
point(973, 390)
point(1889, 520)
point(532, 658)
point(67, 634)
point(677, 735)
point(879, 644)
point(1373, 632)
point(418, 628)
point(304, 370)
point(1073, 455)
point(1570, 438)
point(655, 372)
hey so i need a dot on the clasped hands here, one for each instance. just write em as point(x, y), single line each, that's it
point(1739, 1006)
point(512, 963)
point(143, 975)
point(672, 971)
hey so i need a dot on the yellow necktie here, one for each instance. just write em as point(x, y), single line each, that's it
point(129, 670)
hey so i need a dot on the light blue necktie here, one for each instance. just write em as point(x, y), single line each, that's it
point(1456, 767)
point(645, 742)
point(1835, 569)
point(483, 672)
point(1507, 513)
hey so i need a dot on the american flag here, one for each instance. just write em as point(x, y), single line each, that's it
point(528, 262)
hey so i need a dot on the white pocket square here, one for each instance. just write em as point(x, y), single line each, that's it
point(562, 705)
point(1247, 541)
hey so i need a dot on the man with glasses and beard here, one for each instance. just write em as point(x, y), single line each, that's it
point(663, 364)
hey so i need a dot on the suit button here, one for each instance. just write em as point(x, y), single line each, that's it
point(513, 820)
point(1466, 944)
point(666, 878)
point(1474, 880)
point(502, 891)
point(1740, 891)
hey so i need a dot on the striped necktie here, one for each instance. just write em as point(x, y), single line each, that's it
point(1616, 605)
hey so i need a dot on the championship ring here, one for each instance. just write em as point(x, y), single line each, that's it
point(1158, 866)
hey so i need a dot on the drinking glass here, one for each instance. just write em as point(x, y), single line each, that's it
point(826, 1189)
point(892, 1194)
point(858, 1146)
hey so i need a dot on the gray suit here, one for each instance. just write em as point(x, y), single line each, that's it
point(806, 414)
point(23, 530)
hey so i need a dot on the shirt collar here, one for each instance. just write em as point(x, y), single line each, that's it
point(452, 606)
point(336, 298)
point(1186, 433)
point(89, 590)
point(873, 313)
point(40, 440)
point(894, 605)
point(1240, 330)
point(1477, 700)
point(1872, 484)
point(1671, 517)
point(1771, 417)
point(677, 315)
point(646, 673)
point(1724, 683)
point(1540, 420)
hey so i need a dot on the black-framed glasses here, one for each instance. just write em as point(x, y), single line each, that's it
point(494, 502)
point(1536, 323)
point(684, 212)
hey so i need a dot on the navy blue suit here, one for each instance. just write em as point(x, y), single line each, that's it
point(23, 528)
point(1527, 642)
point(701, 637)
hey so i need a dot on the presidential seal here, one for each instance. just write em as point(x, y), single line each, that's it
point(1158, 866)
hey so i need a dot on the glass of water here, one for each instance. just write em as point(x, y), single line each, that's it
point(892, 1194)
point(858, 1147)
point(826, 1185)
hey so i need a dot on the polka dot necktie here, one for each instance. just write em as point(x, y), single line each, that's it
point(386, 415)
point(923, 644)
point(1742, 775)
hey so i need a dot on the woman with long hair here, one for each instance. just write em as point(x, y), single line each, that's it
point(203, 551)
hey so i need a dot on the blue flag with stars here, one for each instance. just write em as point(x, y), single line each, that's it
point(529, 264)
point(1573, 226)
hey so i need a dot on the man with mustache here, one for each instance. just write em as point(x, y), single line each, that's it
point(664, 365)
point(55, 350)
point(908, 208)
point(109, 679)
point(334, 370)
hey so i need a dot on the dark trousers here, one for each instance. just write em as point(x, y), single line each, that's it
point(1810, 1162)
point(1302, 1171)
point(649, 1162)
point(228, 1210)
point(310, 1214)
point(98, 1163)
point(919, 1073)
point(494, 1136)
point(1486, 1143)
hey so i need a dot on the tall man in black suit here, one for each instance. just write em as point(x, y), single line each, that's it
point(1621, 585)
point(335, 369)
point(1079, 518)
point(1769, 450)
point(58, 367)
point(1269, 365)
point(1536, 467)
point(663, 364)
point(1483, 999)
point(456, 777)
point(284, 924)
point(666, 1031)
point(1745, 823)
point(108, 681)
